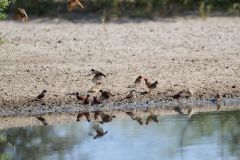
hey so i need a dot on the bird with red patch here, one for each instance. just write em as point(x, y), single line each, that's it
point(150, 85)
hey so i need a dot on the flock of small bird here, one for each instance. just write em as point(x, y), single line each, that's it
point(101, 117)
point(105, 94)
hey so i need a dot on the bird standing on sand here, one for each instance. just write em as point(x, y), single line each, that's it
point(131, 95)
point(105, 94)
point(99, 131)
point(150, 85)
point(41, 95)
point(138, 80)
point(80, 98)
point(72, 5)
point(97, 75)
point(183, 94)
point(22, 15)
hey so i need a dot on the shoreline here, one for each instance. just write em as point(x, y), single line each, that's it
point(69, 114)
point(160, 104)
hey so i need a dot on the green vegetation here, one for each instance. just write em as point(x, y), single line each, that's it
point(3, 7)
point(130, 8)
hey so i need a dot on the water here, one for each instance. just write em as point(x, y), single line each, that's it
point(201, 137)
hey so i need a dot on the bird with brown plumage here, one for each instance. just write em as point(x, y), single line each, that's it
point(97, 76)
point(131, 95)
point(80, 98)
point(72, 5)
point(138, 81)
point(22, 15)
point(87, 100)
point(96, 101)
point(151, 86)
point(183, 94)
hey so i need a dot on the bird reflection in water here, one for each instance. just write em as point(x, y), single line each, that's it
point(99, 131)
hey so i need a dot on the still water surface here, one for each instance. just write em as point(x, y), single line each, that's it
point(205, 136)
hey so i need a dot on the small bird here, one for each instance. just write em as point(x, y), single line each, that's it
point(97, 76)
point(98, 73)
point(41, 95)
point(80, 98)
point(150, 85)
point(96, 101)
point(183, 94)
point(138, 80)
point(152, 117)
point(96, 88)
point(99, 131)
point(105, 94)
point(22, 15)
point(43, 120)
point(131, 95)
point(72, 5)
point(86, 101)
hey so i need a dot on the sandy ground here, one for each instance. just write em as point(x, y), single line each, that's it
point(57, 55)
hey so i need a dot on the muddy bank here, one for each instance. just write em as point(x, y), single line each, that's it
point(69, 114)
point(57, 55)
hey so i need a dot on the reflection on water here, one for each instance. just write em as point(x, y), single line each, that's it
point(203, 136)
